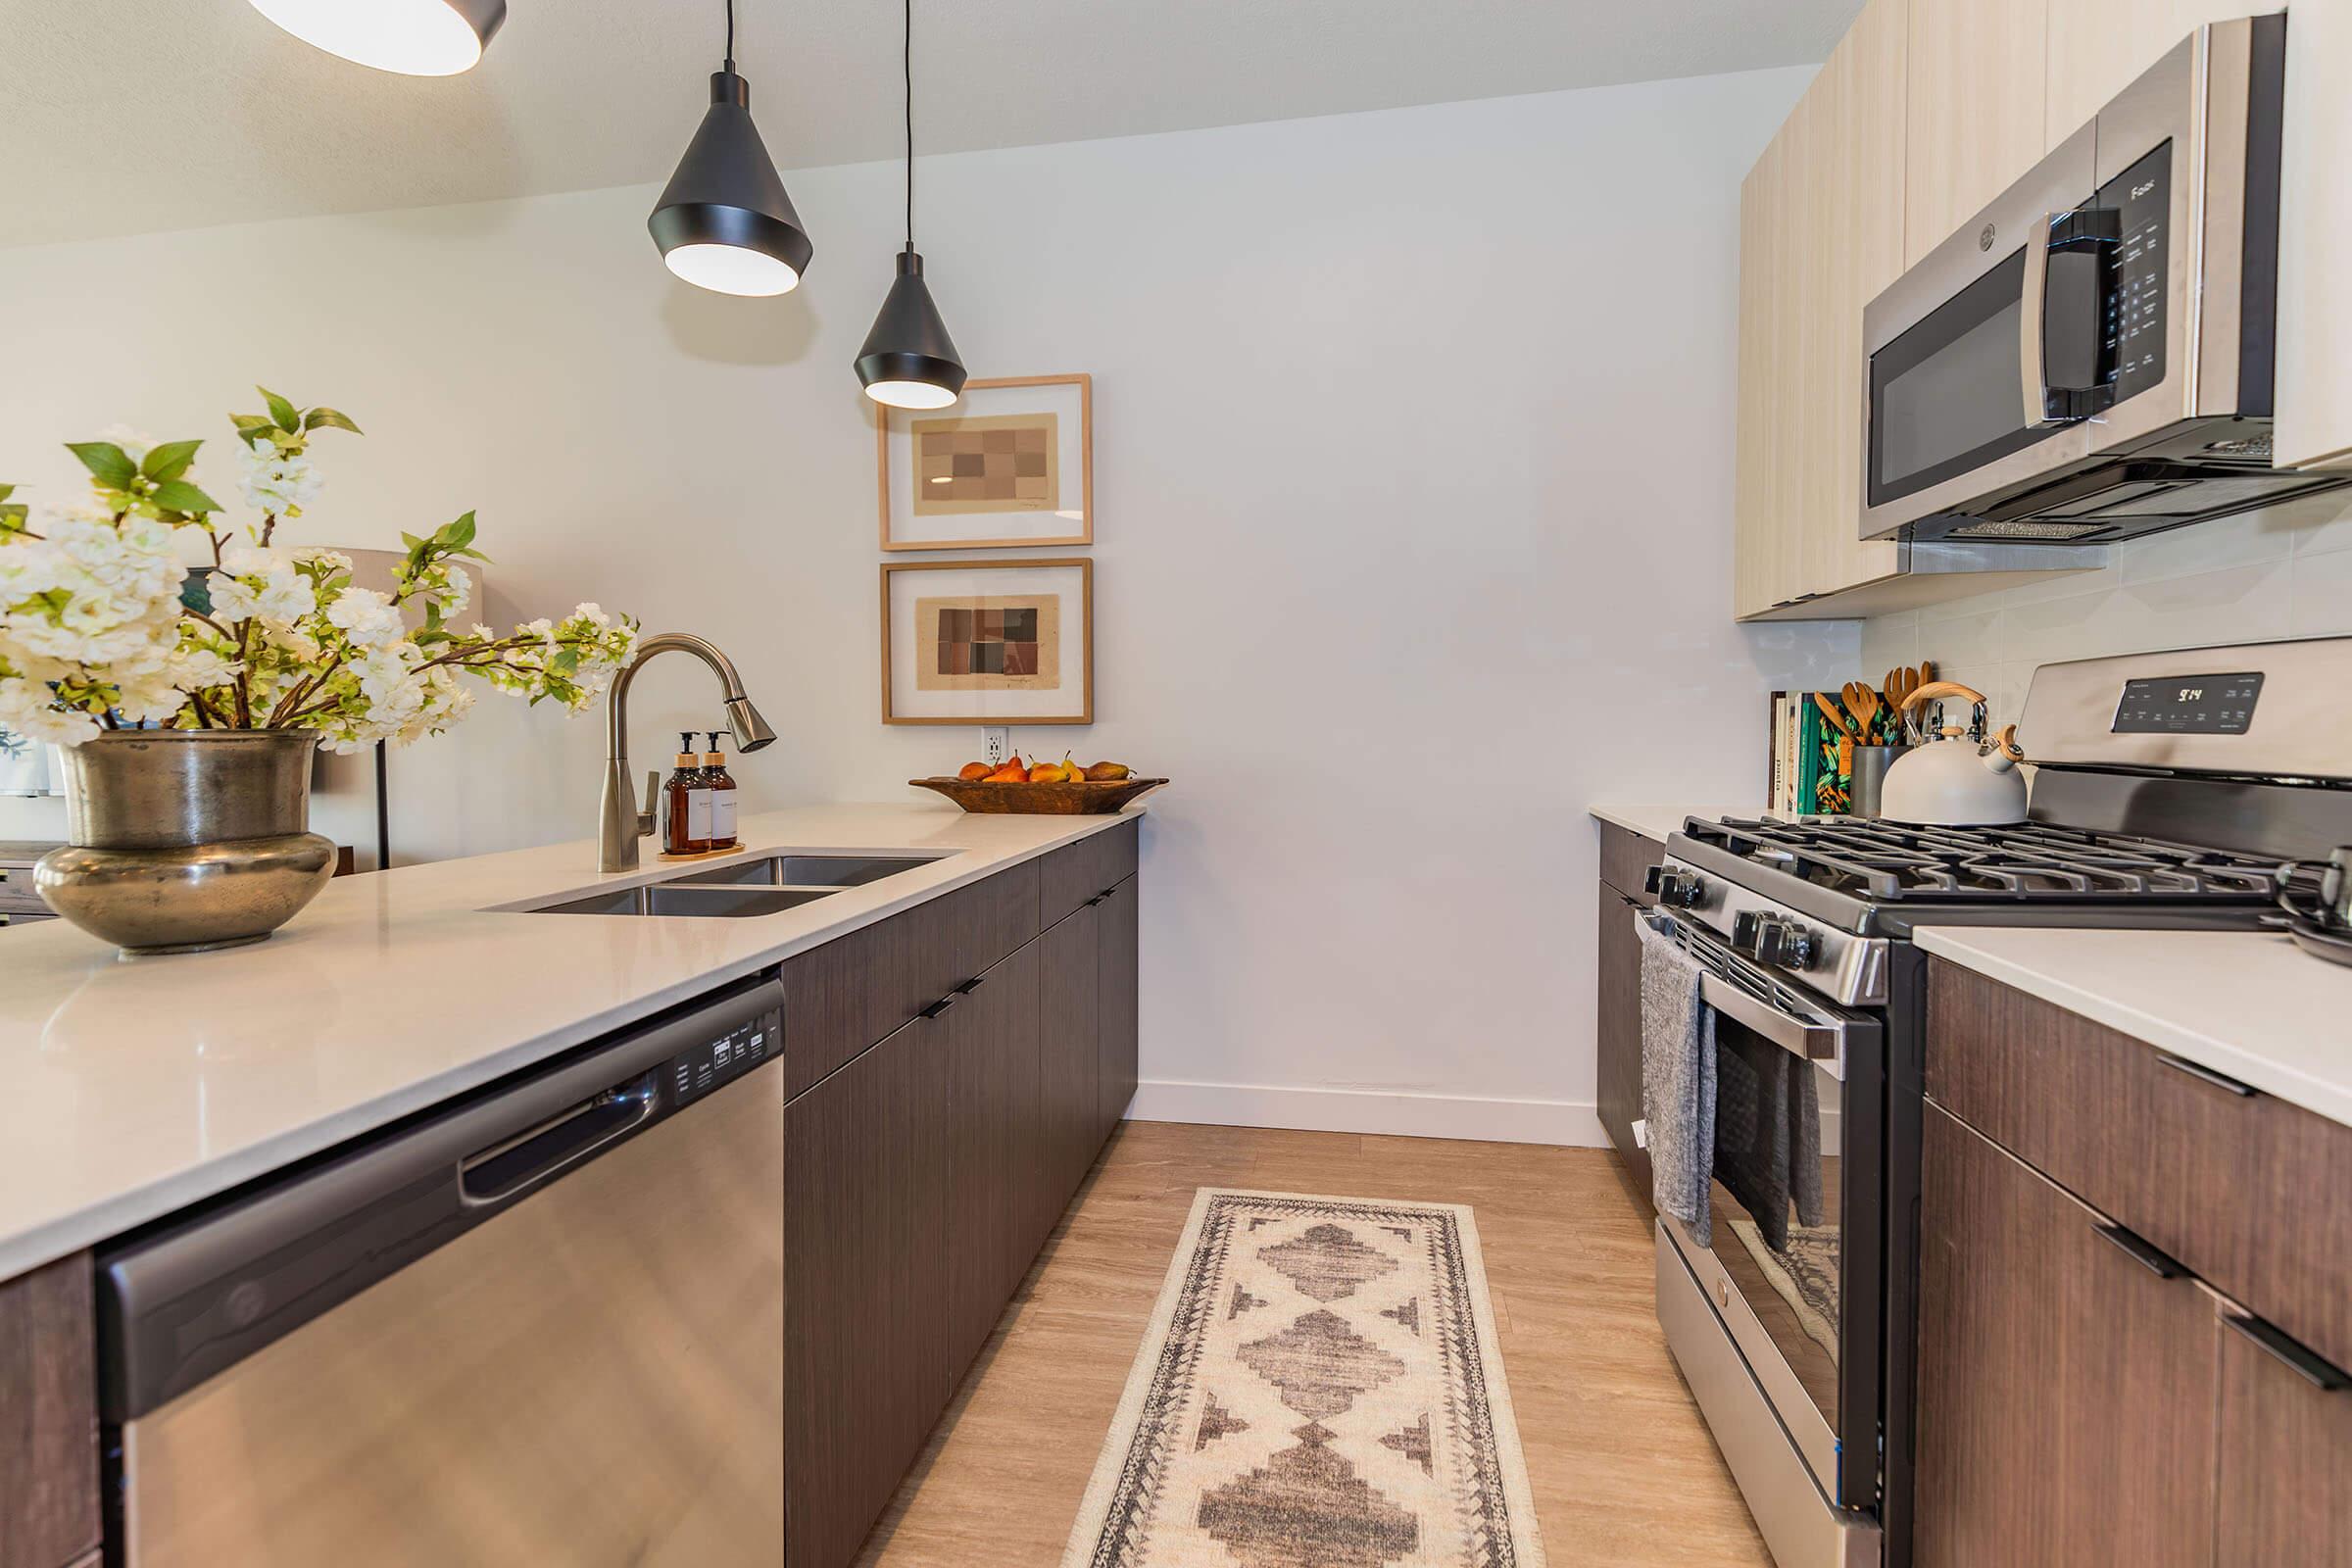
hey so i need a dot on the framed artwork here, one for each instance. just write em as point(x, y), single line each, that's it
point(1012, 465)
point(24, 766)
point(988, 642)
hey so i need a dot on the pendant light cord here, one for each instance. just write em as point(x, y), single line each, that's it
point(730, 36)
point(908, 62)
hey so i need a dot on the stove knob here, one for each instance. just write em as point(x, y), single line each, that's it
point(1674, 887)
point(1747, 933)
point(1786, 943)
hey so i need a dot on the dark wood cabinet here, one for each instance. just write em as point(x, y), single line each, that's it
point(48, 1417)
point(1617, 1034)
point(865, 1275)
point(994, 1121)
point(1069, 1058)
point(2066, 1378)
point(927, 1170)
point(1617, 1039)
point(2285, 1442)
point(1118, 1005)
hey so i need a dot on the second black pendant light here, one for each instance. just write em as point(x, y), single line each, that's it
point(908, 361)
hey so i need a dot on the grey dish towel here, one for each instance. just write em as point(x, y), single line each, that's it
point(1677, 1081)
point(1767, 1133)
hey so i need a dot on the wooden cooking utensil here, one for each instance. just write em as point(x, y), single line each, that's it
point(1863, 704)
point(1830, 710)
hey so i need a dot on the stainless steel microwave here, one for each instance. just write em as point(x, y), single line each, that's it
point(2091, 357)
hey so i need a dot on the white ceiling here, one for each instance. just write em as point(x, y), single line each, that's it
point(129, 115)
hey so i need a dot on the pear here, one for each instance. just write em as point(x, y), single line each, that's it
point(1108, 773)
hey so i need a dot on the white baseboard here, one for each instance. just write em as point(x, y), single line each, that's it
point(1357, 1110)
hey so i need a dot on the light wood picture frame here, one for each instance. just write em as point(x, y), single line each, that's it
point(1003, 641)
point(1033, 487)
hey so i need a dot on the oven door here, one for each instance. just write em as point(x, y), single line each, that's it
point(1792, 1269)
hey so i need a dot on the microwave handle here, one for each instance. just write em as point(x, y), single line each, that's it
point(2078, 235)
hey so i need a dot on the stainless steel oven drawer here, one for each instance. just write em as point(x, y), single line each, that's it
point(1798, 1523)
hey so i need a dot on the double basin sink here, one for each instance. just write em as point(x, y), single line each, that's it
point(766, 885)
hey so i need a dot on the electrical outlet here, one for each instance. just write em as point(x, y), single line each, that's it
point(995, 744)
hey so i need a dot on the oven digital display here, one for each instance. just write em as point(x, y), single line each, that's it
point(2189, 705)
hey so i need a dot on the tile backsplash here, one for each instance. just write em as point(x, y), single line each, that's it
point(2282, 572)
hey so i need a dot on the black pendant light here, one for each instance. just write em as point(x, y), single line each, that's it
point(413, 38)
point(908, 361)
point(725, 223)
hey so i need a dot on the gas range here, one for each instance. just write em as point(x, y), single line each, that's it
point(1820, 898)
point(2150, 808)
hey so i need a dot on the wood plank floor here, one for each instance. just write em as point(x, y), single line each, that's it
point(1624, 1471)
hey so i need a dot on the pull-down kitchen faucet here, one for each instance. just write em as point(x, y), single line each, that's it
point(621, 825)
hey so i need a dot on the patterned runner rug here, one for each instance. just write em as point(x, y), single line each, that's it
point(1318, 1389)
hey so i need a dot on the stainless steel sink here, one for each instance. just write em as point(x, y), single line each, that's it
point(806, 870)
point(671, 900)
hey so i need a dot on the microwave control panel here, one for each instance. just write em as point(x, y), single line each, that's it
point(2135, 293)
point(2189, 705)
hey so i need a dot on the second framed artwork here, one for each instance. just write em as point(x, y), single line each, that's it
point(988, 642)
point(1011, 466)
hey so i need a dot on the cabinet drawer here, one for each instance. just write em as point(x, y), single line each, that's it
point(2251, 1192)
point(1625, 857)
point(1070, 876)
point(17, 894)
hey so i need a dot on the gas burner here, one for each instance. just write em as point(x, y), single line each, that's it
point(1888, 863)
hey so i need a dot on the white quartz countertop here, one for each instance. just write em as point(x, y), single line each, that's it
point(1655, 821)
point(138, 1087)
point(2250, 1005)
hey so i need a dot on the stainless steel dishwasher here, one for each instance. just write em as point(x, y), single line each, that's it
point(544, 1326)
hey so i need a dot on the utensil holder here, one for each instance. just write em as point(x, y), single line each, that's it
point(1871, 763)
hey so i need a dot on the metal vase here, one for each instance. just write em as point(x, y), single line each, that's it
point(184, 840)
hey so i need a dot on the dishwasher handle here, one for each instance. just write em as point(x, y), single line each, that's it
point(513, 1167)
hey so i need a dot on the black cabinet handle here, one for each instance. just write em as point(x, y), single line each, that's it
point(941, 1005)
point(2206, 1075)
point(2154, 1259)
point(971, 985)
point(2313, 1368)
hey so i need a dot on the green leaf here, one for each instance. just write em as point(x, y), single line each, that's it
point(11, 519)
point(7, 490)
point(169, 461)
point(412, 541)
point(177, 495)
point(566, 662)
point(473, 555)
point(329, 417)
point(456, 535)
point(281, 412)
point(107, 463)
point(251, 427)
point(195, 592)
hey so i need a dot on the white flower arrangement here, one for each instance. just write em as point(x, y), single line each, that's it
point(102, 628)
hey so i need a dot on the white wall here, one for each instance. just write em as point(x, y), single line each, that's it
point(2282, 572)
point(1413, 466)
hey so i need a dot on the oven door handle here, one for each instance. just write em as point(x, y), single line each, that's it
point(1813, 1039)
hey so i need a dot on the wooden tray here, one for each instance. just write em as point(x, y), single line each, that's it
point(1080, 798)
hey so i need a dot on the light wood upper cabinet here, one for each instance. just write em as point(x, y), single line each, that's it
point(1976, 108)
point(2099, 47)
point(1856, 243)
point(1759, 567)
point(2314, 420)
point(1821, 229)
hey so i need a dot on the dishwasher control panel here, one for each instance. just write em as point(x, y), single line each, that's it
point(695, 1073)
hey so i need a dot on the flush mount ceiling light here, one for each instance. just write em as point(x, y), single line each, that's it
point(725, 223)
point(908, 361)
point(413, 38)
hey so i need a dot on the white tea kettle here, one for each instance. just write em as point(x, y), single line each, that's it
point(1952, 782)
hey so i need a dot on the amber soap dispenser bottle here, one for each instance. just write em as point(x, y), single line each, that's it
point(686, 804)
point(721, 784)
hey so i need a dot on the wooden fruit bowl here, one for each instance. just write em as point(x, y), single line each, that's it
point(1079, 797)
